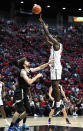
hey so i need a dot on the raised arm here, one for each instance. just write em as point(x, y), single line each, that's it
point(48, 41)
point(42, 66)
point(47, 33)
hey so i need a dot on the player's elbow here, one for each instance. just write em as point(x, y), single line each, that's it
point(30, 82)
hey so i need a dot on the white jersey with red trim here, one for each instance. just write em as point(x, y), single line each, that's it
point(56, 55)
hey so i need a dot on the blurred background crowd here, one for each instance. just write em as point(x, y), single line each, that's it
point(19, 40)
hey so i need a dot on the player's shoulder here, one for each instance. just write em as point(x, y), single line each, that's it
point(22, 72)
point(57, 47)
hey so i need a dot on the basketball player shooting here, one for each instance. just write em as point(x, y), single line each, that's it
point(56, 67)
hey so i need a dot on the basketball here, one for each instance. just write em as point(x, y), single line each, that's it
point(36, 9)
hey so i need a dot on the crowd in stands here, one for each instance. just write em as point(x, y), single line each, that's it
point(19, 40)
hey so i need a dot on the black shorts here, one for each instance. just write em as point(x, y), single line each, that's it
point(19, 107)
point(53, 104)
point(21, 102)
point(18, 96)
point(27, 104)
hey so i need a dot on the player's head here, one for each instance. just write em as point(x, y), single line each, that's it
point(23, 63)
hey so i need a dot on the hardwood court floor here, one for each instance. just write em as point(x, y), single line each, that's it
point(57, 121)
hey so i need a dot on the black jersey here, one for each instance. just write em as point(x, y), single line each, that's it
point(22, 83)
point(21, 92)
point(22, 87)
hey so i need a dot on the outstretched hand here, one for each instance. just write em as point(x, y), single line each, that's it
point(42, 22)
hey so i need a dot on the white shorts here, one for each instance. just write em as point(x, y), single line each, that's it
point(1, 101)
point(55, 74)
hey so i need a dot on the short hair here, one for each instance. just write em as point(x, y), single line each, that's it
point(21, 62)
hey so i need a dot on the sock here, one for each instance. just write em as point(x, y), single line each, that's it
point(11, 124)
point(49, 119)
point(67, 119)
point(18, 120)
point(24, 120)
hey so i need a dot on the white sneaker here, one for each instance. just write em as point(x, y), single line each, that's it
point(35, 115)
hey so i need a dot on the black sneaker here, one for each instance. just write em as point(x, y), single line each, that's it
point(67, 121)
point(49, 121)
